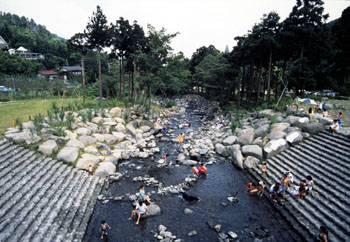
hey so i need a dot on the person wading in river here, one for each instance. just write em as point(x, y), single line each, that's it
point(181, 138)
point(103, 228)
point(140, 209)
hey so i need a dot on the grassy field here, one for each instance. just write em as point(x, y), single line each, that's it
point(334, 113)
point(22, 109)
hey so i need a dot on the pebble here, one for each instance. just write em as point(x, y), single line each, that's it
point(192, 233)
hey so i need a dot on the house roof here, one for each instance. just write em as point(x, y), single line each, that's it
point(72, 68)
point(21, 48)
point(3, 44)
point(48, 73)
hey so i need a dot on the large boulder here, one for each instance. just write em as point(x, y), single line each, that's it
point(48, 147)
point(237, 159)
point(131, 129)
point(291, 119)
point(245, 136)
point(83, 131)
point(119, 120)
point(120, 128)
point(28, 125)
point(68, 154)
point(328, 106)
point(119, 136)
point(313, 128)
point(280, 127)
point(87, 140)
point(252, 150)
point(105, 169)
point(275, 146)
point(154, 209)
point(145, 128)
point(250, 162)
point(230, 140)
point(24, 136)
point(294, 137)
point(86, 160)
point(326, 121)
point(92, 150)
point(266, 113)
point(109, 138)
point(276, 135)
point(116, 112)
point(97, 120)
point(75, 143)
point(189, 162)
point(262, 130)
point(221, 150)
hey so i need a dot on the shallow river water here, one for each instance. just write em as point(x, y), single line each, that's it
point(244, 218)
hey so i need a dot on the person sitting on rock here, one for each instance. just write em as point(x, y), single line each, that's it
point(275, 190)
point(164, 157)
point(252, 187)
point(141, 208)
point(334, 127)
point(309, 184)
point(284, 182)
point(264, 169)
point(289, 174)
point(195, 170)
point(142, 195)
point(261, 188)
point(103, 228)
point(311, 114)
point(202, 170)
point(340, 119)
point(91, 170)
point(300, 191)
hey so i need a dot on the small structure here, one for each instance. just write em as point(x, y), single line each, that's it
point(3, 44)
point(24, 53)
point(72, 70)
point(49, 74)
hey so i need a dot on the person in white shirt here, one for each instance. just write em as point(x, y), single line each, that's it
point(334, 127)
point(140, 209)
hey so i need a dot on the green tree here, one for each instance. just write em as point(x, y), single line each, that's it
point(97, 34)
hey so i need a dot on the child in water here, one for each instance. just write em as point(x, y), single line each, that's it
point(103, 228)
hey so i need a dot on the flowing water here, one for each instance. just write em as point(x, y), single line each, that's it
point(246, 218)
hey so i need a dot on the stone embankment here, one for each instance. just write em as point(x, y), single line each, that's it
point(42, 199)
point(292, 143)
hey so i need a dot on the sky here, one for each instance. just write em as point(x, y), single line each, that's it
point(199, 22)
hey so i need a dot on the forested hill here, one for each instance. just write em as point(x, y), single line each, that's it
point(21, 31)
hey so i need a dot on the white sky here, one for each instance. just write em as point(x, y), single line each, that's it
point(200, 22)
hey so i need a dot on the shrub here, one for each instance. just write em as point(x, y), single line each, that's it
point(169, 103)
point(234, 124)
point(89, 114)
point(59, 131)
point(126, 115)
point(69, 120)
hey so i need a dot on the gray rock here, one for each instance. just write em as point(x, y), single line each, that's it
point(188, 211)
point(83, 131)
point(203, 151)
point(24, 136)
point(252, 150)
point(326, 121)
point(250, 162)
point(120, 127)
point(262, 130)
point(105, 169)
point(110, 139)
point(145, 128)
point(48, 147)
point(275, 146)
point(221, 150)
point(28, 125)
point(131, 129)
point(328, 106)
point(112, 159)
point(192, 233)
point(154, 209)
point(217, 227)
point(87, 140)
point(245, 136)
point(116, 177)
point(313, 128)
point(75, 143)
point(237, 159)
point(276, 135)
point(266, 113)
point(292, 120)
point(223, 236)
point(181, 157)
point(119, 136)
point(86, 160)
point(230, 140)
point(115, 112)
point(161, 228)
point(92, 150)
point(97, 120)
point(189, 162)
point(258, 141)
point(68, 154)
point(280, 127)
point(232, 234)
point(294, 137)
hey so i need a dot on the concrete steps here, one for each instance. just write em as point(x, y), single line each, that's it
point(42, 199)
point(326, 157)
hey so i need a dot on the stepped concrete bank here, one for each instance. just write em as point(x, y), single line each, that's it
point(326, 157)
point(42, 199)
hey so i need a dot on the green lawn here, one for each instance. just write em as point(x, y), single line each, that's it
point(21, 109)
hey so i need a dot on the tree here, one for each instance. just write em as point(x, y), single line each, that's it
point(78, 43)
point(97, 34)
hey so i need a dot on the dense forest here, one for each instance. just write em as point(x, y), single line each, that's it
point(302, 52)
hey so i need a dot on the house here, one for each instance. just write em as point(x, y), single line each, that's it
point(3, 44)
point(49, 74)
point(26, 54)
point(73, 70)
